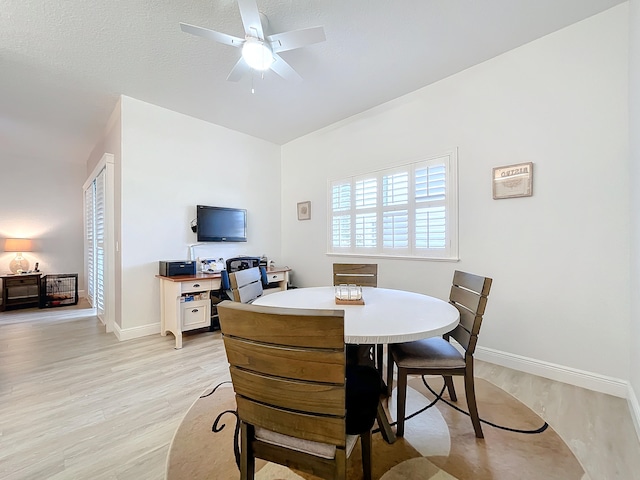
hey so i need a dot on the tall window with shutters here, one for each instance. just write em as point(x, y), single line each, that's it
point(405, 211)
point(95, 242)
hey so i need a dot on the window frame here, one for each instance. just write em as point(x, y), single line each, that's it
point(447, 253)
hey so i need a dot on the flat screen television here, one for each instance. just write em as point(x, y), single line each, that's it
point(221, 224)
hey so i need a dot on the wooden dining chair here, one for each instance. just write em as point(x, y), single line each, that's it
point(437, 356)
point(246, 285)
point(363, 274)
point(288, 372)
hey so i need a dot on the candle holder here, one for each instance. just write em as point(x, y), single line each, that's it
point(348, 294)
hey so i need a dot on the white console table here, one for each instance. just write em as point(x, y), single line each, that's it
point(178, 315)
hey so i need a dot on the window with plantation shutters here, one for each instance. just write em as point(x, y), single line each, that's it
point(95, 242)
point(89, 208)
point(405, 211)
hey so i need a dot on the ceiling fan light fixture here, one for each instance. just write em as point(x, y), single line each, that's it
point(257, 54)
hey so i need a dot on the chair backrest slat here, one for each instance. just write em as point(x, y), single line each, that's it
point(288, 369)
point(316, 428)
point(321, 365)
point(462, 336)
point(327, 399)
point(286, 326)
point(469, 320)
point(246, 285)
point(363, 274)
point(468, 299)
point(476, 283)
point(469, 295)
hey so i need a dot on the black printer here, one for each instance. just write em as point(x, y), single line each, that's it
point(175, 268)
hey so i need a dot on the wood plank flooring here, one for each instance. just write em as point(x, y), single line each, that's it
point(75, 403)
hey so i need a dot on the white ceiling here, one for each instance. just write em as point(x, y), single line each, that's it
point(63, 64)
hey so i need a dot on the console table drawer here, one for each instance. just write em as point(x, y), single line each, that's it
point(195, 314)
point(275, 276)
point(197, 286)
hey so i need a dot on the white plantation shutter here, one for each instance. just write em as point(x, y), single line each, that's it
point(366, 230)
point(395, 229)
point(89, 207)
point(341, 211)
point(366, 221)
point(430, 199)
point(99, 245)
point(410, 210)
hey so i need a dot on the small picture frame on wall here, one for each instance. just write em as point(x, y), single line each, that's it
point(304, 210)
point(513, 181)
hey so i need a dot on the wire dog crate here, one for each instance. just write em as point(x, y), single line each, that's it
point(59, 290)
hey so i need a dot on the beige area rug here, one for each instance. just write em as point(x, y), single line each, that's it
point(439, 442)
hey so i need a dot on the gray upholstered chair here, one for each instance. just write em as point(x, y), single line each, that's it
point(288, 369)
point(437, 356)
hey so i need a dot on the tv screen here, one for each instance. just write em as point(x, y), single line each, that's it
point(220, 224)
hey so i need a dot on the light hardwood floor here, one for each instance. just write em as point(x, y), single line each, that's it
point(75, 403)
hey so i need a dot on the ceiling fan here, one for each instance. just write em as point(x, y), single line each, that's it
point(260, 50)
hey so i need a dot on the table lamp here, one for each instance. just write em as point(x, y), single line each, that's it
point(19, 245)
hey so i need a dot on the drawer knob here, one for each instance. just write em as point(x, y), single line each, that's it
point(196, 285)
point(195, 310)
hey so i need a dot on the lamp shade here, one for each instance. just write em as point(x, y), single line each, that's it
point(17, 245)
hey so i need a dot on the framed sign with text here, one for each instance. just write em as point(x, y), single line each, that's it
point(513, 181)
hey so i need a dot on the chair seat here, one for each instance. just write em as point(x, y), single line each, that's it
point(428, 353)
point(319, 449)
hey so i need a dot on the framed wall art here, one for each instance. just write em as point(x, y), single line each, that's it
point(304, 210)
point(513, 181)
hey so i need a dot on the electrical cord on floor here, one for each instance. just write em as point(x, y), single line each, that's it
point(455, 407)
point(215, 388)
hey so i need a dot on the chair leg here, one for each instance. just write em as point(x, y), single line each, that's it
point(389, 372)
point(247, 461)
point(401, 401)
point(471, 402)
point(448, 381)
point(340, 472)
point(365, 441)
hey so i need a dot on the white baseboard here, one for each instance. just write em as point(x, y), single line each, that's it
point(560, 373)
point(136, 332)
point(634, 408)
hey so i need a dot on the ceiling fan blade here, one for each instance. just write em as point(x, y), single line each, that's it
point(238, 71)
point(285, 70)
point(251, 18)
point(212, 35)
point(281, 42)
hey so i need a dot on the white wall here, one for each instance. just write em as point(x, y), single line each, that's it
point(634, 136)
point(170, 164)
point(42, 200)
point(559, 259)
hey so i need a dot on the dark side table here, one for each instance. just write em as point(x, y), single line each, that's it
point(20, 291)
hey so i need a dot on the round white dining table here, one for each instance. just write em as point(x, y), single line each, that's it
point(387, 316)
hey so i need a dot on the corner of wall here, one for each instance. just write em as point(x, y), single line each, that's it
point(634, 408)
